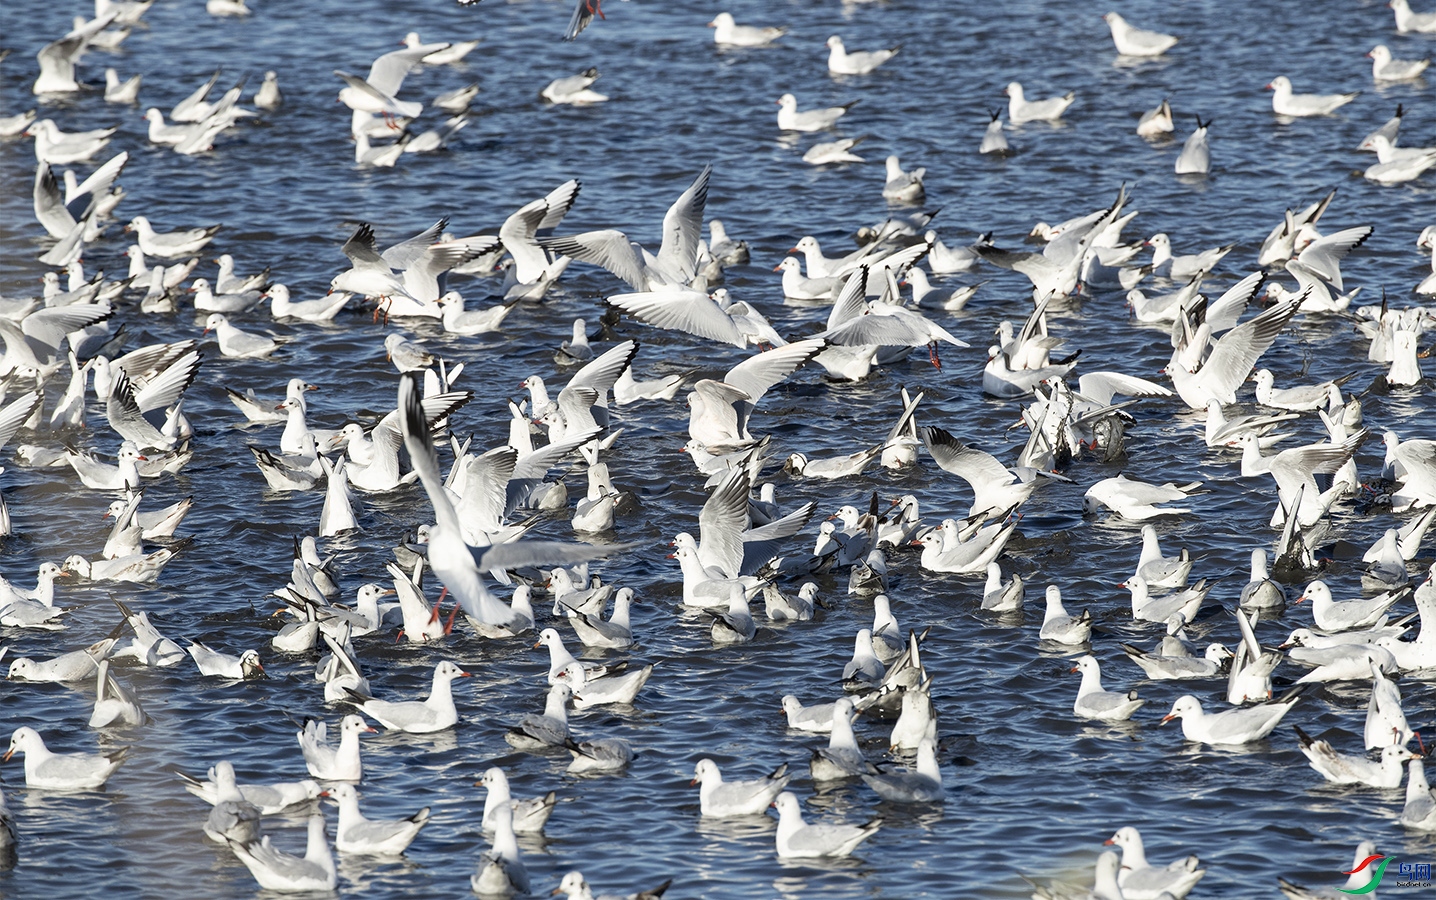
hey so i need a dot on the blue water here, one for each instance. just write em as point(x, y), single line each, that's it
point(1031, 789)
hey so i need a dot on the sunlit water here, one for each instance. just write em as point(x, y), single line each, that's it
point(1031, 789)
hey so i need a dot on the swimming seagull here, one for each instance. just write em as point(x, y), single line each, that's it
point(796, 839)
point(574, 90)
point(1141, 880)
point(1408, 21)
point(817, 119)
point(719, 799)
point(859, 62)
point(1384, 68)
point(1196, 155)
point(47, 770)
point(1137, 500)
point(1286, 103)
point(1133, 41)
point(903, 187)
point(1095, 703)
point(1156, 122)
point(356, 834)
point(1020, 109)
point(1233, 726)
point(574, 887)
point(279, 871)
point(728, 33)
point(528, 815)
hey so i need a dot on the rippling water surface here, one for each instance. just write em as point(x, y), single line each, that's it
point(1031, 789)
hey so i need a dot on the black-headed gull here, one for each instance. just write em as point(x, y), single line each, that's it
point(1170, 668)
point(1020, 109)
point(574, 90)
point(857, 62)
point(1140, 880)
point(233, 818)
point(598, 756)
point(1286, 103)
point(1196, 155)
point(574, 887)
point(796, 839)
point(276, 870)
point(434, 713)
point(47, 770)
point(58, 58)
point(1134, 41)
point(124, 92)
point(268, 96)
point(1345, 768)
point(719, 799)
point(921, 784)
point(728, 33)
point(1407, 21)
point(452, 53)
point(528, 816)
point(1419, 811)
point(376, 94)
point(903, 187)
point(333, 762)
point(1232, 726)
point(1156, 122)
point(993, 140)
point(356, 834)
point(1137, 500)
point(271, 799)
point(1330, 614)
point(1360, 877)
point(1383, 66)
point(817, 119)
point(1095, 703)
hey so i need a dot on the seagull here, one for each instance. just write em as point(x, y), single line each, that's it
point(796, 839)
point(574, 887)
point(279, 871)
point(1384, 68)
point(728, 33)
point(574, 90)
point(1020, 109)
point(860, 62)
point(722, 799)
point(1137, 500)
point(1156, 122)
point(1196, 155)
point(236, 343)
point(1095, 703)
point(58, 58)
point(434, 713)
point(1342, 768)
point(1060, 627)
point(1233, 726)
point(903, 187)
point(675, 265)
point(993, 140)
point(233, 818)
point(1408, 21)
point(375, 94)
point(47, 770)
point(454, 52)
point(528, 816)
point(1133, 41)
point(356, 834)
point(330, 762)
point(214, 664)
point(170, 245)
point(1360, 875)
point(1140, 879)
point(790, 119)
point(1285, 103)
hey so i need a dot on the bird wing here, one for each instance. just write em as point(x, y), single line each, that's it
point(721, 523)
point(1295, 467)
point(408, 252)
point(558, 202)
point(692, 312)
point(1324, 255)
point(50, 325)
point(974, 466)
point(851, 302)
point(519, 233)
point(607, 248)
point(361, 249)
point(15, 413)
point(603, 371)
point(1228, 308)
point(582, 15)
point(683, 227)
point(1101, 387)
point(164, 389)
point(388, 71)
point(757, 374)
point(1234, 354)
point(49, 203)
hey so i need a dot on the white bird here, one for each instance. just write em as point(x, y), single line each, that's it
point(356, 834)
point(1137, 500)
point(1385, 68)
point(574, 90)
point(600, 755)
point(47, 770)
point(268, 96)
point(1286, 103)
point(1095, 703)
point(1232, 726)
point(323, 309)
point(376, 94)
point(574, 887)
point(233, 818)
point(1419, 811)
point(1020, 109)
point(1156, 122)
point(271, 799)
point(1330, 614)
point(1133, 41)
point(796, 839)
point(434, 713)
point(903, 187)
point(1361, 874)
point(539, 731)
point(817, 119)
point(1140, 880)
point(721, 799)
point(454, 52)
point(1196, 155)
point(279, 871)
point(117, 91)
point(1344, 768)
point(239, 344)
point(171, 244)
point(114, 703)
point(728, 33)
point(1408, 21)
point(528, 815)
point(333, 762)
point(1000, 597)
point(1165, 262)
point(501, 871)
point(589, 692)
point(58, 58)
point(1060, 627)
point(859, 62)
